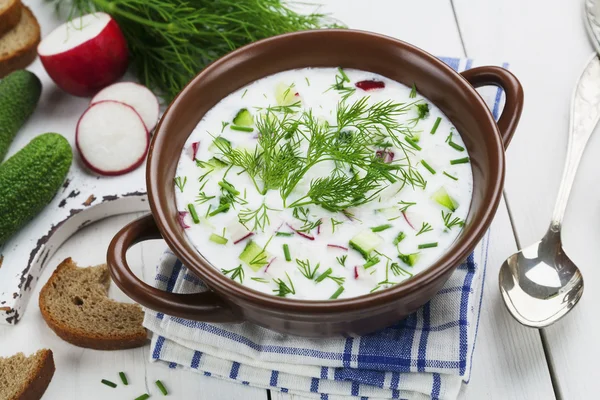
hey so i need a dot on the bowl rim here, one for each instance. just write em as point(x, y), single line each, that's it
point(232, 290)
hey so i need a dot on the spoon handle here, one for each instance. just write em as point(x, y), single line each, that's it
point(585, 113)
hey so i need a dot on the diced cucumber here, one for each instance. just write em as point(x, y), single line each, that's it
point(409, 259)
point(219, 142)
point(254, 256)
point(218, 239)
point(443, 198)
point(243, 118)
point(365, 242)
point(213, 163)
point(285, 94)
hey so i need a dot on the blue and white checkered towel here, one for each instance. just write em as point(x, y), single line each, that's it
point(427, 355)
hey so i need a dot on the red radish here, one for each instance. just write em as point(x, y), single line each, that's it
point(135, 95)
point(304, 235)
point(407, 221)
point(111, 138)
point(85, 54)
point(319, 228)
point(269, 264)
point(181, 217)
point(355, 272)
point(370, 85)
point(195, 147)
point(337, 246)
point(243, 238)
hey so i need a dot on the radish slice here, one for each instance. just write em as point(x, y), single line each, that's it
point(135, 95)
point(111, 138)
point(337, 246)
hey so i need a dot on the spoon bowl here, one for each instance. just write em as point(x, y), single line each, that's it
point(540, 283)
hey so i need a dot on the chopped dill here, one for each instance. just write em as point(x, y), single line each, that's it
point(283, 288)
point(334, 223)
point(306, 270)
point(180, 183)
point(342, 260)
point(255, 220)
point(236, 273)
point(450, 222)
point(424, 229)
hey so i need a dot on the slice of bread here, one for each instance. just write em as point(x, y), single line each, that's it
point(26, 378)
point(18, 47)
point(10, 15)
point(75, 304)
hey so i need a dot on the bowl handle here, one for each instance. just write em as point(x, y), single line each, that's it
point(206, 306)
point(491, 75)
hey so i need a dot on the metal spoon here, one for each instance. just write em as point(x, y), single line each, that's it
point(540, 284)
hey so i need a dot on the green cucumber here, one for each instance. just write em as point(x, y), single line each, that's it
point(285, 95)
point(254, 256)
point(243, 118)
point(442, 197)
point(19, 95)
point(218, 143)
point(365, 242)
point(218, 239)
point(30, 179)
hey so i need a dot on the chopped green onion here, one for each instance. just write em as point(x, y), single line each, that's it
point(324, 275)
point(161, 387)
point(221, 209)
point(460, 161)
point(436, 124)
point(241, 128)
point(123, 378)
point(337, 293)
point(399, 238)
point(413, 91)
point(427, 245)
point(218, 239)
point(450, 176)
point(286, 252)
point(428, 167)
point(370, 262)
point(193, 213)
point(143, 397)
point(381, 228)
point(229, 187)
point(284, 234)
point(109, 383)
point(413, 143)
point(456, 146)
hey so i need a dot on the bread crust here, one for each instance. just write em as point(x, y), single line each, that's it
point(80, 337)
point(38, 383)
point(25, 55)
point(10, 17)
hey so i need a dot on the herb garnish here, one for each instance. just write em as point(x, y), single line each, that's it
point(180, 183)
point(405, 205)
point(236, 273)
point(283, 289)
point(340, 79)
point(427, 245)
point(286, 252)
point(459, 161)
point(255, 220)
point(435, 125)
point(306, 270)
point(451, 223)
point(424, 228)
point(337, 293)
point(335, 223)
point(413, 91)
point(193, 213)
point(342, 260)
point(450, 176)
point(429, 168)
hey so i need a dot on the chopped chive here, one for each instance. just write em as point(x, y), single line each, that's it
point(109, 383)
point(413, 91)
point(193, 213)
point(450, 176)
point(324, 275)
point(337, 293)
point(435, 125)
point(244, 94)
point(241, 128)
point(427, 245)
point(428, 167)
point(286, 252)
point(218, 239)
point(143, 397)
point(221, 209)
point(460, 161)
point(449, 137)
point(123, 378)
point(371, 262)
point(399, 238)
point(229, 187)
point(456, 146)
point(162, 388)
point(261, 280)
point(381, 228)
point(284, 234)
point(413, 143)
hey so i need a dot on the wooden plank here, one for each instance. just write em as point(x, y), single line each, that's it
point(546, 43)
point(79, 371)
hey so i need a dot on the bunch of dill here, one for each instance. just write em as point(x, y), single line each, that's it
point(172, 40)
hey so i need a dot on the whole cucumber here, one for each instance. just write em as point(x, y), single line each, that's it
point(30, 179)
point(19, 95)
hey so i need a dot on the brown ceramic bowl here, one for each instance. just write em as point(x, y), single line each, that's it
point(228, 301)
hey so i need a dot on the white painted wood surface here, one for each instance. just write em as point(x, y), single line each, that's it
point(545, 43)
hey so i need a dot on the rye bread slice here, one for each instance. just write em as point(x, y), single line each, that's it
point(18, 47)
point(26, 378)
point(10, 15)
point(75, 304)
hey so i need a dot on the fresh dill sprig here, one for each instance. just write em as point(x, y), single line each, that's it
point(283, 288)
point(255, 220)
point(180, 183)
point(224, 125)
point(340, 80)
point(301, 213)
point(405, 205)
point(306, 270)
point(450, 222)
point(334, 223)
point(398, 270)
point(342, 260)
point(236, 273)
point(424, 229)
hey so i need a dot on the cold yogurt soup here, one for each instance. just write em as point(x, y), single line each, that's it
point(323, 183)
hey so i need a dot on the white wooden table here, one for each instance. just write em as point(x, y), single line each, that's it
point(545, 43)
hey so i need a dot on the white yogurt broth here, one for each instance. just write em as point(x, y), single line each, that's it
point(411, 143)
